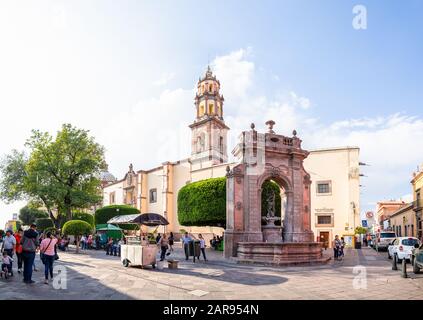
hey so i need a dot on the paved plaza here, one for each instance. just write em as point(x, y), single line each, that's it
point(93, 275)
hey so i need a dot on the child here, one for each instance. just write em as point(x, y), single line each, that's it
point(6, 265)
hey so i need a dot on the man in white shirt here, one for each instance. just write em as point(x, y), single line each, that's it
point(9, 246)
point(186, 239)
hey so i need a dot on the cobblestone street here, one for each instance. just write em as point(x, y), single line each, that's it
point(103, 277)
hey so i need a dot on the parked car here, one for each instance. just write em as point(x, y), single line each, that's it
point(384, 239)
point(372, 240)
point(402, 248)
point(417, 258)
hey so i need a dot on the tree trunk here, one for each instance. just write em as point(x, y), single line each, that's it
point(77, 244)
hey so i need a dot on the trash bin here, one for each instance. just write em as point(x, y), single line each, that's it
point(194, 249)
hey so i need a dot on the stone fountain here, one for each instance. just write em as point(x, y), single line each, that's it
point(262, 157)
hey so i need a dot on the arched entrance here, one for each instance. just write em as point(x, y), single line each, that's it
point(277, 159)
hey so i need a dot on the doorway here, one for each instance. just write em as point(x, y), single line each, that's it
point(324, 238)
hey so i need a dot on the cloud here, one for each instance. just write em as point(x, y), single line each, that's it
point(164, 79)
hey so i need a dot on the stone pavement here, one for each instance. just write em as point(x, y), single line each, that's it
point(93, 275)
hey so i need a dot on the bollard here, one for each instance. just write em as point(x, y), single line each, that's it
point(404, 268)
point(394, 262)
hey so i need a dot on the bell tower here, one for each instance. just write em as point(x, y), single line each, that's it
point(209, 131)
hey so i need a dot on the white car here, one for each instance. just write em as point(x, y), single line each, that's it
point(384, 239)
point(402, 248)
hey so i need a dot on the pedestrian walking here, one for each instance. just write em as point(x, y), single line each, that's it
point(342, 246)
point(202, 246)
point(18, 237)
point(30, 245)
point(90, 242)
point(83, 242)
point(164, 245)
point(48, 253)
point(171, 241)
point(336, 247)
point(9, 246)
point(186, 239)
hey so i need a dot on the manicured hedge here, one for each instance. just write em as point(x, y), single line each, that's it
point(76, 228)
point(44, 223)
point(104, 214)
point(203, 203)
point(267, 187)
point(87, 217)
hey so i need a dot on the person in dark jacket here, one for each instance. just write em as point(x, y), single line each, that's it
point(30, 244)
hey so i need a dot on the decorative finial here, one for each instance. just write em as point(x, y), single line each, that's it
point(252, 126)
point(294, 133)
point(131, 168)
point(270, 124)
point(228, 169)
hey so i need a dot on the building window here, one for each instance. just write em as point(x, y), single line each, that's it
point(211, 106)
point(210, 88)
point(221, 145)
point(324, 187)
point(412, 230)
point(112, 198)
point(324, 220)
point(153, 195)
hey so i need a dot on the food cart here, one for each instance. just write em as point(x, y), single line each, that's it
point(138, 251)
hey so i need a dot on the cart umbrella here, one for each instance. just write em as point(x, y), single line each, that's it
point(109, 227)
point(147, 219)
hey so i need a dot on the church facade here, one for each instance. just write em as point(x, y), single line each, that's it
point(334, 174)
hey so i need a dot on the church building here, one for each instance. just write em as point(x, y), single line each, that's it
point(334, 174)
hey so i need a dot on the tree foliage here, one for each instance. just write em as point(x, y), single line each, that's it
point(76, 228)
point(203, 203)
point(60, 173)
point(87, 217)
point(28, 215)
point(44, 223)
point(104, 214)
point(360, 230)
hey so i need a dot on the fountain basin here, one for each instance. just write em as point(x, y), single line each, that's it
point(281, 253)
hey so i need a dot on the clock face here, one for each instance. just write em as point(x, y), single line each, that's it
point(369, 214)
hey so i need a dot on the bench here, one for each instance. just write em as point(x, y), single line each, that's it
point(173, 264)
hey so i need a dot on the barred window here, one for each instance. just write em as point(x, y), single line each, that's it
point(153, 195)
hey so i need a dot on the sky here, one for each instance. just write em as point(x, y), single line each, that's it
point(126, 71)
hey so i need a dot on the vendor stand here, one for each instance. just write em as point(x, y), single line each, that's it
point(137, 251)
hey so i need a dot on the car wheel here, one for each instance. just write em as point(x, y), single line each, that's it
point(125, 263)
point(154, 266)
point(416, 268)
point(398, 259)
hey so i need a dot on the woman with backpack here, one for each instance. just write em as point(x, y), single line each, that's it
point(48, 254)
point(30, 245)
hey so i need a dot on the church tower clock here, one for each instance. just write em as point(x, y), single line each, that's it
point(209, 131)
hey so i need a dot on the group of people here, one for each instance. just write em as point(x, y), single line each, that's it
point(338, 247)
point(165, 243)
point(25, 245)
point(215, 242)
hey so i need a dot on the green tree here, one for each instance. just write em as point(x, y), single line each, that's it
point(87, 217)
point(60, 173)
point(360, 230)
point(76, 228)
point(44, 223)
point(104, 214)
point(203, 203)
point(28, 215)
